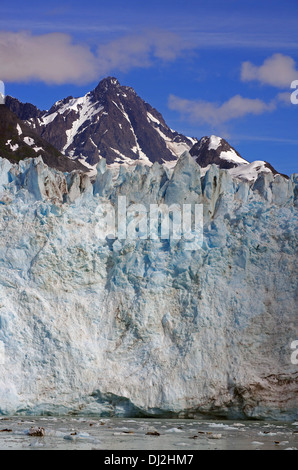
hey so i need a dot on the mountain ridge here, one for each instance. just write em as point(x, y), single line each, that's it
point(18, 141)
point(111, 121)
point(114, 123)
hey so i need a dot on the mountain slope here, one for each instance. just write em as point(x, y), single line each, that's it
point(114, 123)
point(217, 151)
point(111, 121)
point(18, 141)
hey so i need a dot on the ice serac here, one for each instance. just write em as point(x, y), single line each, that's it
point(146, 327)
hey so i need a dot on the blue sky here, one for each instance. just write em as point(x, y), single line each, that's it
point(216, 67)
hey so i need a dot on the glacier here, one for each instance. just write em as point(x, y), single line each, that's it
point(121, 327)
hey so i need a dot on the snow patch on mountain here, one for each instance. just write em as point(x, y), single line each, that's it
point(231, 156)
point(19, 130)
point(85, 110)
point(250, 171)
point(29, 141)
point(214, 142)
point(152, 118)
point(13, 147)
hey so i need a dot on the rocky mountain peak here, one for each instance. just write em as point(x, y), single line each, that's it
point(216, 150)
point(108, 82)
point(108, 85)
point(110, 122)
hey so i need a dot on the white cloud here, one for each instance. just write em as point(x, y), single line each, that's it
point(55, 59)
point(278, 70)
point(51, 58)
point(284, 98)
point(199, 111)
point(140, 50)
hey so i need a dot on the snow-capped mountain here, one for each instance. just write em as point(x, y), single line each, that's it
point(18, 141)
point(114, 123)
point(111, 121)
point(217, 151)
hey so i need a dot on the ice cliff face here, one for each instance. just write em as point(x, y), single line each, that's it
point(147, 327)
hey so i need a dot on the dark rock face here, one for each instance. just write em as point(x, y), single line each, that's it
point(111, 121)
point(18, 141)
point(24, 111)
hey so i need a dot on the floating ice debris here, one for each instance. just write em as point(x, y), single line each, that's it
point(281, 443)
point(223, 426)
point(36, 443)
point(74, 436)
point(54, 433)
point(71, 437)
point(174, 430)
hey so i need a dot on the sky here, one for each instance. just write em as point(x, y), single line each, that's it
point(210, 67)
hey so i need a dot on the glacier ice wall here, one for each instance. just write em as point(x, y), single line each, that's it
point(146, 327)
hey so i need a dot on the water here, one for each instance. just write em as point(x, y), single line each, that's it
point(74, 433)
